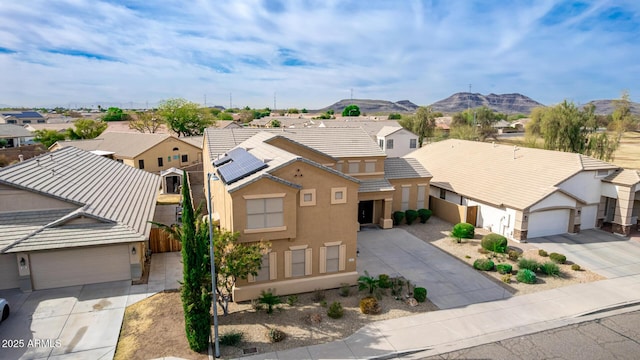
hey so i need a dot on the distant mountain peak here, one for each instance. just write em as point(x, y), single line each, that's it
point(370, 106)
point(504, 103)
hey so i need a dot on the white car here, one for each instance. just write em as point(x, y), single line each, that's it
point(4, 307)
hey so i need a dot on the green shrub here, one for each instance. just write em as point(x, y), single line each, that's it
point(232, 338)
point(384, 282)
point(323, 303)
point(397, 284)
point(558, 258)
point(369, 305)
point(483, 264)
point(494, 242)
point(529, 264)
point(410, 216)
point(424, 215)
point(513, 255)
point(550, 268)
point(463, 231)
point(269, 299)
point(292, 299)
point(345, 290)
point(526, 276)
point(420, 294)
point(504, 268)
point(542, 253)
point(276, 335)
point(398, 216)
point(575, 267)
point(335, 311)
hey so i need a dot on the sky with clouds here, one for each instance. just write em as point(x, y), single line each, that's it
point(312, 53)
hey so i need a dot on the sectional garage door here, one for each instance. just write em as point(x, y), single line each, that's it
point(550, 222)
point(8, 272)
point(54, 269)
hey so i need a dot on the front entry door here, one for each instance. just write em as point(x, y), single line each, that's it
point(365, 212)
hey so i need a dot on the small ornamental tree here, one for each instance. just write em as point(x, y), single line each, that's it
point(351, 110)
point(463, 231)
point(494, 242)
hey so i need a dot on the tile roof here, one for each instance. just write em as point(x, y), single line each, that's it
point(194, 140)
point(627, 177)
point(18, 225)
point(125, 144)
point(388, 130)
point(404, 168)
point(375, 186)
point(104, 189)
point(500, 174)
point(13, 131)
point(23, 114)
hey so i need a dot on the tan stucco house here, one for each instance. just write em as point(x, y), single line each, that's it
point(307, 191)
point(72, 218)
point(150, 152)
point(524, 193)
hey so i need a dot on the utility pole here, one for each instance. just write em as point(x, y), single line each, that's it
point(469, 98)
point(352, 94)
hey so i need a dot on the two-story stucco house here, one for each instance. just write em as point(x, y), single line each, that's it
point(307, 191)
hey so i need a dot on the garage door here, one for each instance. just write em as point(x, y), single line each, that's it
point(549, 222)
point(588, 217)
point(8, 272)
point(81, 266)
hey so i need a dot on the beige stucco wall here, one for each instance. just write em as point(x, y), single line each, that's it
point(165, 151)
point(14, 199)
point(362, 174)
point(413, 192)
point(448, 211)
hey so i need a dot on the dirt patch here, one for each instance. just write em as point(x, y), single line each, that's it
point(154, 328)
point(436, 232)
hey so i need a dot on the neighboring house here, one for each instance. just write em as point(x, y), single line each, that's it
point(524, 193)
point(396, 141)
point(307, 191)
point(72, 218)
point(59, 127)
point(228, 124)
point(149, 152)
point(14, 135)
point(444, 123)
point(21, 117)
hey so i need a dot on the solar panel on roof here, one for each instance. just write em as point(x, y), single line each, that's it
point(240, 165)
point(223, 160)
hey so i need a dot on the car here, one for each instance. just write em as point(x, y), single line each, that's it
point(4, 305)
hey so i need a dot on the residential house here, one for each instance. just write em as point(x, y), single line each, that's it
point(307, 191)
point(14, 135)
point(396, 141)
point(21, 117)
point(58, 127)
point(72, 218)
point(149, 152)
point(524, 193)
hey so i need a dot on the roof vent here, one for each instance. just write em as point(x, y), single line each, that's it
point(21, 157)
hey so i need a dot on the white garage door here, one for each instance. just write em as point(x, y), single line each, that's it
point(588, 217)
point(81, 266)
point(549, 222)
point(8, 272)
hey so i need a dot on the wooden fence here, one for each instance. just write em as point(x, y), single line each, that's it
point(159, 242)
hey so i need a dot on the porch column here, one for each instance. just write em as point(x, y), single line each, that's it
point(385, 221)
point(624, 207)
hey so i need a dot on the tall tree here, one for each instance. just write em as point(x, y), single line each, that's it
point(351, 110)
point(622, 119)
point(425, 123)
point(86, 129)
point(484, 120)
point(48, 137)
point(147, 121)
point(115, 114)
point(196, 298)
point(185, 118)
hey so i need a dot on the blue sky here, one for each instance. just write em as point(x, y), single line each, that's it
point(312, 53)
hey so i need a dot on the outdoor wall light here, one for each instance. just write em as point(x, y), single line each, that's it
point(133, 250)
point(23, 262)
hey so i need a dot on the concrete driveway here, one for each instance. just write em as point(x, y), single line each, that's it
point(78, 322)
point(604, 253)
point(450, 283)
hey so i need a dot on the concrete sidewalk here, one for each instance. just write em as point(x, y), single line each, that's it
point(448, 330)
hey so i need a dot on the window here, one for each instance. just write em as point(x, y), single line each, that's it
point(185, 158)
point(41, 121)
point(297, 261)
point(119, 160)
point(140, 164)
point(389, 143)
point(168, 158)
point(421, 194)
point(308, 197)
point(413, 143)
point(265, 213)
point(354, 167)
point(263, 273)
point(370, 166)
point(381, 144)
point(602, 173)
point(268, 268)
point(405, 197)
point(176, 157)
point(339, 166)
point(443, 194)
point(339, 195)
point(160, 162)
point(176, 149)
point(332, 257)
point(12, 121)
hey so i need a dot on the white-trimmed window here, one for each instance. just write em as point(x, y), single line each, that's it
point(332, 257)
point(354, 167)
point(443, 194)
point(413, 143)
point(297, 261)
point(421, 195)
point(369, 166)
point(339, 195)
point(265, 213)
point(389, 143)
point(339, 166)
point(381, 144)
point(308, 197)
point(602, 173)
point(405, 197)
point(268, 270)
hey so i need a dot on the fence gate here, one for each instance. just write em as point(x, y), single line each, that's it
point(159, 242)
